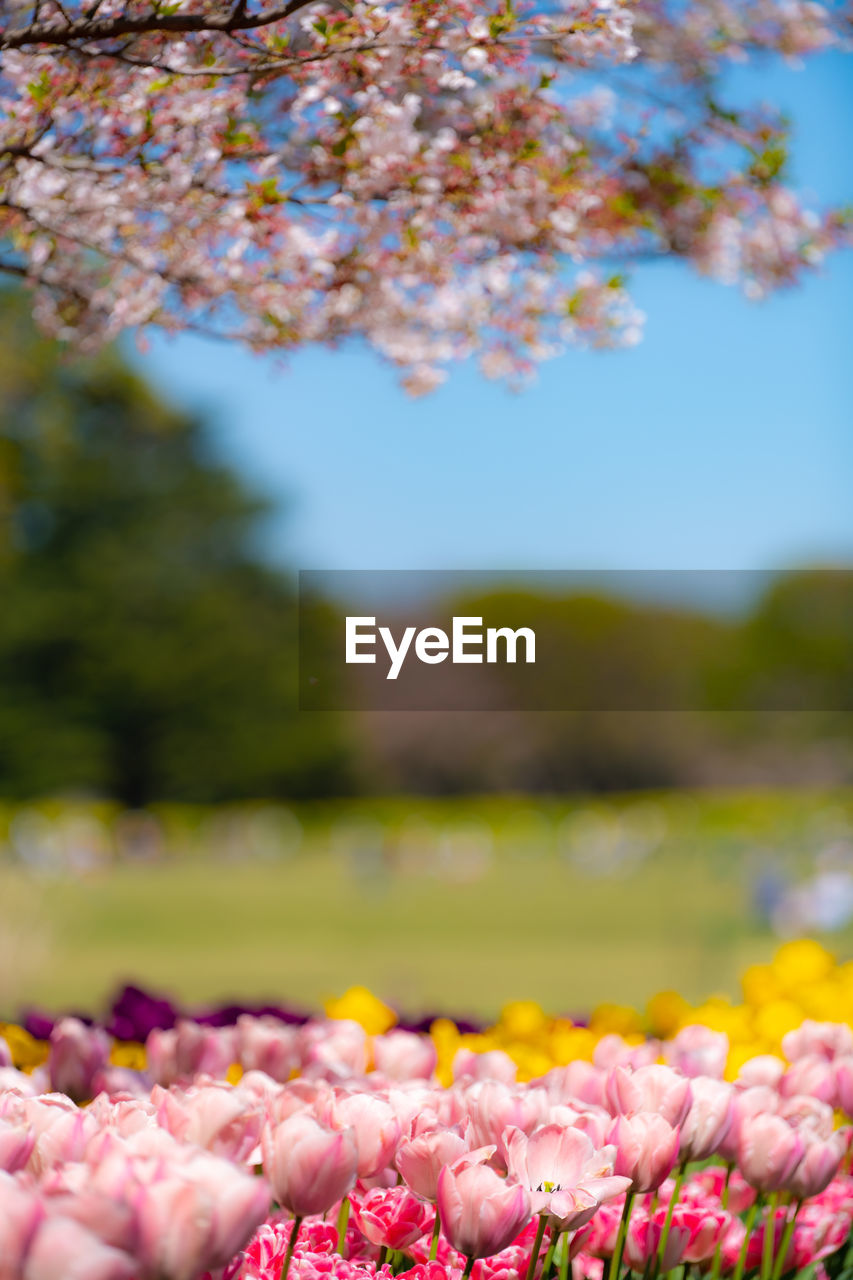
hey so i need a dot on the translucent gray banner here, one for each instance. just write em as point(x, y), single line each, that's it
point(656, 640)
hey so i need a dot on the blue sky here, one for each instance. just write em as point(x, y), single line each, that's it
point(722, 441)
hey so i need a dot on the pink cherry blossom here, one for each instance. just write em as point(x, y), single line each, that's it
point(442, 186)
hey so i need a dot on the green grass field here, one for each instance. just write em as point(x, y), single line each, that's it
point(456, 905)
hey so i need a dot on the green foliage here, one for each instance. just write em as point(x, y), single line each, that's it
point(145, 648)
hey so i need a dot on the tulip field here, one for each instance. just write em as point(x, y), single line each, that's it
point(262, 1146)
point(547, 1118)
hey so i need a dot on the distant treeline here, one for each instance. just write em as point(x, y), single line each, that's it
point(148, 651)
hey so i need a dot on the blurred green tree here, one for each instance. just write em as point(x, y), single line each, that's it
point(146, 650)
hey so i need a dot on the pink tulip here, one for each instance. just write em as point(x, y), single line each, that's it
point(652, 1088)
point(493, 1065)
point(402, 1055)
point(698, 1051)
point(706, 1187)
point(264, 1044)
point(812, 1075)
point(578, 1082)
point(115, 1081)
point(241, 1202)
point(421, 1159)
point(481, 1213)
point(819, 1165)
point(708, 1120)
point(213, 1116)
point(827, 1040)
point(803, 1112)
point(310, 1168)
point(413, 1105)
point(20, 1214)
point(333, 1050)
point(494, 1106)
point(818, 1235)
point(122, 1115)
point(313, 1096)
point(564, 1174)
point(12, 1080)
point(77, 1054)
point(643, 1241)
point(600, 1235)
point(594, 1122)
point(769, 1151)
point(96, 1193)
point(646, 1149)
point(746, 1103)
point(374, 1126)
point(62, 1131)
point(392, 1218)
point(113, 1221)
point(313, 1258)
point(175, 1227)
point(843, 1070)
point(190, 1050)
point(195, 1215)
point(732, 1247)
point(707, 1228)
point(16, 1145)
point(764, 1069)
point(612, 1051)
point(61, 1247)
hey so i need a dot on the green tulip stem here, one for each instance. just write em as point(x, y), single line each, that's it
point(343, 1219)
point(537, 1245)
point(436, 1232)
point(616, 1260)
point(297, 1223)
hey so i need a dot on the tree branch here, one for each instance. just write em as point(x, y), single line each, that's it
point(89, 29)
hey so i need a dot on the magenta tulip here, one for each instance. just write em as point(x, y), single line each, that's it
point(392, 1217)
